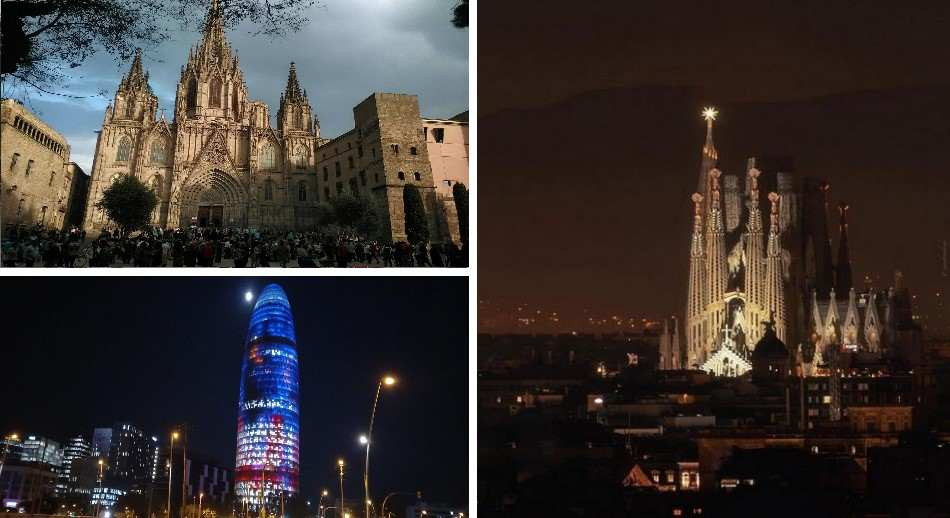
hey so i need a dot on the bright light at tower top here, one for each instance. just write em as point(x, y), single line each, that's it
point(710, 113)
point(248, 296)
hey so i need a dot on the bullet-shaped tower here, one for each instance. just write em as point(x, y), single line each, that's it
point(268, 429)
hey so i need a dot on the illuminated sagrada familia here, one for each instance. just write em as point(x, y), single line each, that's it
point(757, 259)
point(220, 163)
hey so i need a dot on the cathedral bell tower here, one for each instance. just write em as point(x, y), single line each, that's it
point(134, 100)
point(295, 114)
point(212, 84)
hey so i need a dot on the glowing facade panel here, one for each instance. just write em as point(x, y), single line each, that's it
point(268, 418)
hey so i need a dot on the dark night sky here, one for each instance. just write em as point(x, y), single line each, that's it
point(85, 352)
point(591, 136)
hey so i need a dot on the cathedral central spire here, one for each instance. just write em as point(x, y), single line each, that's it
point(293, 91)
point(710, 155)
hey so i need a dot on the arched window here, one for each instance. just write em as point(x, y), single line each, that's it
point(268, 157)
point(300, 157)
point(129, 108)
point(234, 102)
point(157, 154)
point(298, 118)
point(268, 190)
point(417, 176)
point(192, 93)
point(125, 149)
point(157, 184)
point(402, 175)
point(302, 191)
point(214, 93)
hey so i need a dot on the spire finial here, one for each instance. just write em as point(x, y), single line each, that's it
point(774, 199)
point(709, 149)
point(754, 184)
point(697, 211)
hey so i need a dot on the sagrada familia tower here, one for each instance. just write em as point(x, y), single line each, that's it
point(758, 259)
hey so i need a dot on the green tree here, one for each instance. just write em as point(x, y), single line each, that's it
point(129, 203)
point(460, 193)
point(460, 14)
point(356, 214)
point(417, 228)
point(42, 39)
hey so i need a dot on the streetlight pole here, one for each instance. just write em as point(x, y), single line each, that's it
point(321, 512)
point(388, 381)
point(171, 449)
point(382, 509)
point(339, 463)
point(184, 477)
point(98, 500)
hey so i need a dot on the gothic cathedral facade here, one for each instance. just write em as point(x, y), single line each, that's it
point(219, 162)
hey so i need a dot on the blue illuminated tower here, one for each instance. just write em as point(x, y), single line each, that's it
point(268, 432)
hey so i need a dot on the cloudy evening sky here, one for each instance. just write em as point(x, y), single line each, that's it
point(349, 49)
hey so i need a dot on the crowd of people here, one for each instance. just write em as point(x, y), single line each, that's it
point(208, 247)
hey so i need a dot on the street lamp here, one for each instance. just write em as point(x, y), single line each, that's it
point(168, 511)
point(200, 497)
point(340, 464)
point(388, 381)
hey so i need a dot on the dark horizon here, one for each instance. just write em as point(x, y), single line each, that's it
point(111, 350)
point(586, 178)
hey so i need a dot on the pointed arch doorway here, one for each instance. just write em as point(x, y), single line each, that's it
point(212, 198)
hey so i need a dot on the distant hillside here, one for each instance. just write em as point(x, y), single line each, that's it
point(586, 200)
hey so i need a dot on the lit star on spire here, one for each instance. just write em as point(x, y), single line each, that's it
point(710, 113)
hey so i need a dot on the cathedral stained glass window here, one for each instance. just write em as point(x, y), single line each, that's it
point(125, 149)
point(157, 153)
point(300, 157)
point(268, 157)
point(214, 93)
point(268, 190)
point(302, 191)
point(192, 93)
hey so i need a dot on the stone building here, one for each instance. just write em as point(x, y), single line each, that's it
point(447, 144)
point(219, 162)
point(35, 172)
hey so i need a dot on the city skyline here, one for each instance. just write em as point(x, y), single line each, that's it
point(337, 382)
